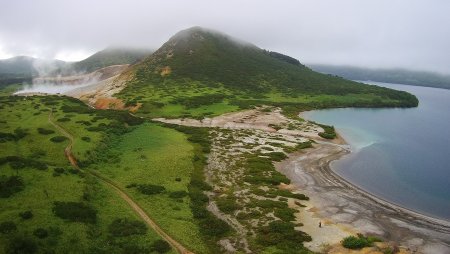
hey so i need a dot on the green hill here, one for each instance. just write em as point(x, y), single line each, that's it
point(110, 56)
point(399, 76)
point(199, 67)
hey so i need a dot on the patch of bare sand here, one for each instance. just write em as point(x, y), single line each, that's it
point(330, 233)
point(258, 119)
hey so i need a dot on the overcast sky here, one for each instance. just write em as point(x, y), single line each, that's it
point(372, 33)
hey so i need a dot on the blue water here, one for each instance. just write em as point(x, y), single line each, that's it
point(400, 155)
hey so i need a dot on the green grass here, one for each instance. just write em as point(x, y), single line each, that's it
point(44, 187)
point(151, 154)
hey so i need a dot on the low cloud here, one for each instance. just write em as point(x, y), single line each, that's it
point(376, 33)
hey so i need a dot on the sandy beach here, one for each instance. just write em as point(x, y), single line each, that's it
point(344, 209)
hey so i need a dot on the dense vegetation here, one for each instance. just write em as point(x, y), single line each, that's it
point(397, 76)
point(358, 242)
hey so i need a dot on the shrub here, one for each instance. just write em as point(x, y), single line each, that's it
point(307, 144)
point(26, 215)
point(285, 214)
point(10, 185)
point(178, 194)
point(228, 204)
point(281, 234)
point(161, 246)
point(40, 233)
point(277, 156)
point(59, 170)
point(150, 189)
point(358, 242)
point(125, 227)
point(18, 163)
point(7, 227)
point(213, 226)
point(58, 139)
point(45, 131)
point(75, 212)
point(86, 139)
point(64, 119)
point(22, 245)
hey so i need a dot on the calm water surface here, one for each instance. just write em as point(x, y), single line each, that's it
point(400, 155)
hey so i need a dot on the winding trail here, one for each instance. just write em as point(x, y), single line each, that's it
point(151, 223)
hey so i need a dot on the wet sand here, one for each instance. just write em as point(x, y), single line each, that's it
point(345, 209)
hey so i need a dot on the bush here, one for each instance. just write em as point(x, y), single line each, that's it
point(10, 185)
point(161, 246)
point(125, 227)
point(228, 204)
point(17, 162)
point(58, 139)
point(59, 170)
point(45, 131)
point(358, 242)
point(86, 139)
point(277, 156)
point(150, 189)
point(178, 194)
point(22, 245)
point(40, 233)
point(26, 215)
point(75, 212)
point(7, 227)
point(281, 234)
point(64, 119)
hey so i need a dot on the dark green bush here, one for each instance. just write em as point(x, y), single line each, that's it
point(59, 170)
point(7, 227)
point(161, 246)
point(281, 234)
point(10, 185)
point(45, 131)
point(285, 214)
point(18, 134)
point(86, 139)
point(75, 212)
point(178, 194)
point(18, 163)
point(276, 156)
point(150, 189)
point(64, 119)
point(228, 204)
point(359, 241)
point(125, 227)
point(58, 139)
point(40, 233)
point(21, 245)
point(26, 215)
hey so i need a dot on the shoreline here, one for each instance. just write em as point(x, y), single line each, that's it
point(340, 140)
point(346, 205)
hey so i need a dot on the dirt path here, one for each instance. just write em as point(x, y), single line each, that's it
point(68, 152)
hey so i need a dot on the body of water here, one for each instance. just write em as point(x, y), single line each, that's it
point(400, 155)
